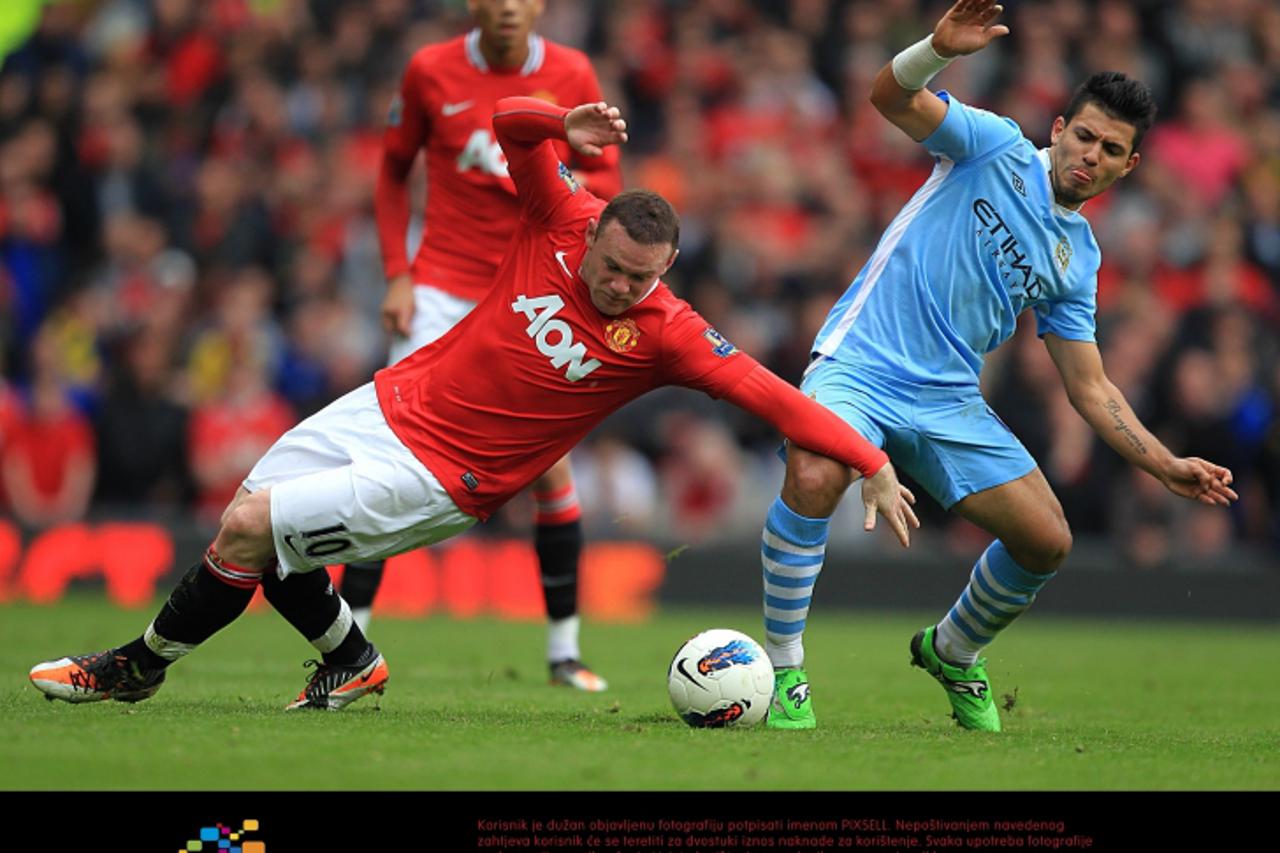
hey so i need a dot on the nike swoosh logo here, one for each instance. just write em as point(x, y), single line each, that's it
point(453, 109)
point(685, 673)
point(288, 540)
point(560, 260)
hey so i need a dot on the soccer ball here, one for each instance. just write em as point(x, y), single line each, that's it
point(719, 678)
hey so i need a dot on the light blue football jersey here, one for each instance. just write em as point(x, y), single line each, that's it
point(978, 243)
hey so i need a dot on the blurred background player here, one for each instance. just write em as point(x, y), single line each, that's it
point(995, 230)
point(444, 106)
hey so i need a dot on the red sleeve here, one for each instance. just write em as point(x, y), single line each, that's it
point(391, 211)
point(601, 175)
point(804, 422)
point(525, 128)
point(699, 357)
point(408, 123)
point(696, 356)
point(409, 118)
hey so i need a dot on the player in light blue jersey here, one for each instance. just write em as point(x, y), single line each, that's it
point(994, 231)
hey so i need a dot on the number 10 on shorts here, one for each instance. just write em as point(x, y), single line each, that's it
point(321, 542)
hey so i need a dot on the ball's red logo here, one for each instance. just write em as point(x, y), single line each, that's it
point(622, 335)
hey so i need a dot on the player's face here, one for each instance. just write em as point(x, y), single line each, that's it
point(618, 270)
point(505, 24)
point(1089, 154)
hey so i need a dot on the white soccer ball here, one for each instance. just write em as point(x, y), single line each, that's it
point(719, 678)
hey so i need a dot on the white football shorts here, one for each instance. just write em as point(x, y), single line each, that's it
point(434, 313)
point(344, 488)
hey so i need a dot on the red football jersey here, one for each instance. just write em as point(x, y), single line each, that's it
point(527, 374)
point(445, 105)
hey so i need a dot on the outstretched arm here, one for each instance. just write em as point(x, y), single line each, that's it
point(1105, 409)
point(814, 427)
point(522, 124)
point(525, 127)
point(899, 91)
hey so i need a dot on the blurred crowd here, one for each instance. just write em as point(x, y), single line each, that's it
point(190, 262)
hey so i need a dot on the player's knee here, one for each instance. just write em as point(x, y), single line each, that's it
point(1064, 543)
point(814, 484)
point(245, 535)
point(1051, 548)
point(556, 477)
point(241, 496)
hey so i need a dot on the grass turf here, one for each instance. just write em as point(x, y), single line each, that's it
point(1099, 705)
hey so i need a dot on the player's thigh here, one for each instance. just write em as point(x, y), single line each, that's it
point(1026, 516)
point(321, 442)
point(240, 496)
point(384, 503)
point(966, 457)
point(343, 487)
point(435, 312)
point(956, 446)
point(244, 534)
point(814, 484)
point(555, 478)
point(846, 391)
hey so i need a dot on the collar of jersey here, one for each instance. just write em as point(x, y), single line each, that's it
point(652, 288)
point(537, 52)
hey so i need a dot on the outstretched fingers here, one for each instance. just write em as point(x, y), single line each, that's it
point(904, 517)
point(907, 504)
point(898, 514)
point(975, 11)
point(1219, 494)
point(901, 527)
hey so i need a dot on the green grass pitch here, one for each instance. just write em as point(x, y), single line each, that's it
point(1098, 705)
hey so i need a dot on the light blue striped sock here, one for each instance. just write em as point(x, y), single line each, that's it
point(792, 548)
point(999, 591)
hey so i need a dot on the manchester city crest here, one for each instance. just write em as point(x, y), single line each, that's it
point(1062, 254)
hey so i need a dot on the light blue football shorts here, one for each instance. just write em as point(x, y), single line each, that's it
point(948, 439)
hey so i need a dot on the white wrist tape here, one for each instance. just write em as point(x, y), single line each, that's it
point(914, 67)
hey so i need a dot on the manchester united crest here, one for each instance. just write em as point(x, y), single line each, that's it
point(622, 335)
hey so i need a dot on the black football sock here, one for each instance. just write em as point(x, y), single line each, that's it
point(137, 651)
point(210, 596)
point(360, 583)
point(311, 605)
point(559, 547)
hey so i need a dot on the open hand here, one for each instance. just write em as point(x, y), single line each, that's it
point(967, 28)
point(590, 127)
point(883, 494)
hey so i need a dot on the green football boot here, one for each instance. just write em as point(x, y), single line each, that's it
point(791, 707)
point(969, 690)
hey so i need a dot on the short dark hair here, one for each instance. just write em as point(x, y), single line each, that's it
point(1118, 96)
point(647, 217)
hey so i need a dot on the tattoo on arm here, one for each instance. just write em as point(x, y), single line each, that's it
point(1115, 409)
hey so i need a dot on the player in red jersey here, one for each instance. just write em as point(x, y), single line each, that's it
point(576, 325)
point(444, 107)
